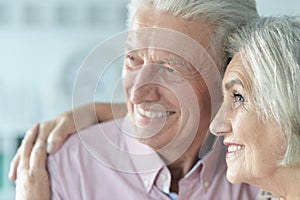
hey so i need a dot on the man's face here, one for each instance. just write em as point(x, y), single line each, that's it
point(167, 97)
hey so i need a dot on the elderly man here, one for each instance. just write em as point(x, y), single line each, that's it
point(174, 56)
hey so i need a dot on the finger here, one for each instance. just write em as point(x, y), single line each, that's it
point(27, 145)
point(12, 174)
point(38, 157)
point(59, 134)
point(44, 131)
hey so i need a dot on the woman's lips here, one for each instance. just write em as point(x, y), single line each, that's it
point(233, 149)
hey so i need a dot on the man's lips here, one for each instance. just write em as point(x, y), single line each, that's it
point(154, 114)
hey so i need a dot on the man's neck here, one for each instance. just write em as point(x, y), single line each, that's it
point(179, 169)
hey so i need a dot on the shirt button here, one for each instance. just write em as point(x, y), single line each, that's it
point(206, 184)
point(146, 183)
point(163, 177)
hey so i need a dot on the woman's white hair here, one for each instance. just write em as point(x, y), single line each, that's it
point(270, 49)
point(225, 15)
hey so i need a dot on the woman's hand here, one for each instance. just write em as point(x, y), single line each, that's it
point(32, 182)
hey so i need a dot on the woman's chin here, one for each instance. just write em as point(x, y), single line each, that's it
point(233, 178)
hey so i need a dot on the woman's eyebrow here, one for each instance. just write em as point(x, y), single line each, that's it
point(233, 82)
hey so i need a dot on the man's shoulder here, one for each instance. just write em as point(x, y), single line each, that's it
point(103, 127)
point(74, 141)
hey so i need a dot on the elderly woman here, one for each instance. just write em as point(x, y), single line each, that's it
point(260, 114)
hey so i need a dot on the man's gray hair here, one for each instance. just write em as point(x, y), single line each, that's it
point(270, 50)
point(225, 16)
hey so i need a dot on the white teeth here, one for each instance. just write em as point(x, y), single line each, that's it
point(159, 115)
point(232, 148)
point(151, 114)
point(147, 113)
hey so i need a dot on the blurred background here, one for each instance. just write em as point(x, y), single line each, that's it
point(42, 45)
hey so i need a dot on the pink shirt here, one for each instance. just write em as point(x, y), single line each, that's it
point(95, 164)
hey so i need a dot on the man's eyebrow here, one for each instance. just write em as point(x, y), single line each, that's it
point(175, 62)
point(233, 82)
point(127, 46)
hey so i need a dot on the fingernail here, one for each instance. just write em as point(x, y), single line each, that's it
point(10, 174)
point(50, 148)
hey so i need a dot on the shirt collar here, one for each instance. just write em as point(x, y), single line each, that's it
point(211, 161)
point(146, 161)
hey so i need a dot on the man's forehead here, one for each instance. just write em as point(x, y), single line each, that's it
point(200, 29)
point(159, 56)
point(166, 40)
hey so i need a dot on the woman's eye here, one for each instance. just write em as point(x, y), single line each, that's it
point(238, 98)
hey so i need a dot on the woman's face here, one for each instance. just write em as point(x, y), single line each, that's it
point(254, 147)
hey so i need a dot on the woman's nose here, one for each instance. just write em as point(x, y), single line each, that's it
point(221, 124)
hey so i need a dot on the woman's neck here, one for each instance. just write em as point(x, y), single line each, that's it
point(284, 183)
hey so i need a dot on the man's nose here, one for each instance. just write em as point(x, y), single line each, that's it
point(146, 85)
point(221, 124)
